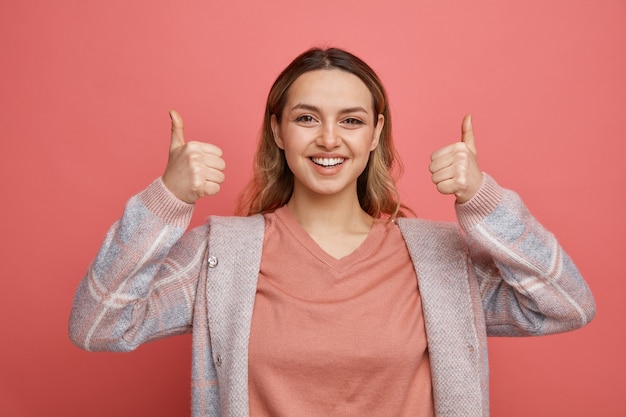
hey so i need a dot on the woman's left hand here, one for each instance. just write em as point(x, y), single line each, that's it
point(454, 168)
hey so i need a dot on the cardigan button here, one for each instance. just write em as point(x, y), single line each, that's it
point(212, 261)
point(218, 360)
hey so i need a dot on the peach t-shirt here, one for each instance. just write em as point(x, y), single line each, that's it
point(337, 337)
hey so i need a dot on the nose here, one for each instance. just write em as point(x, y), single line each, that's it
point(329, 137)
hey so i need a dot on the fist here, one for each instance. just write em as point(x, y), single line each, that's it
point(194, 169)
point(454, 168)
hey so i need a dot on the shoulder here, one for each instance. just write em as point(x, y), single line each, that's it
point(235, 229)
point(235, 222)
point(413, 225)
point(432, 236)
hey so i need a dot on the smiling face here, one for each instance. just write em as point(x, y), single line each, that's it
point(327, 130)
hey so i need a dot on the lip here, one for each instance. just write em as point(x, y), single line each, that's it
point(328, 162)
point(328, 155)
point(335, 163)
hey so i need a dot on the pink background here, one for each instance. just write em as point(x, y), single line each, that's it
point(84, 95)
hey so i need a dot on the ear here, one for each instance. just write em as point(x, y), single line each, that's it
point(377, 131)
point(276, 132)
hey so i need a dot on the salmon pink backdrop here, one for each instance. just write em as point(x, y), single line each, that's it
point(85, 88)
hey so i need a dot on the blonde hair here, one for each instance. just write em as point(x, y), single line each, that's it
point(272, 183)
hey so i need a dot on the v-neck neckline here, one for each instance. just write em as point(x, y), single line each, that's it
point(367, 246)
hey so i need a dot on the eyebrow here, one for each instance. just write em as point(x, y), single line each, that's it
point(304, 106)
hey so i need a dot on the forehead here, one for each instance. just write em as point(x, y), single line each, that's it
point(329, 87)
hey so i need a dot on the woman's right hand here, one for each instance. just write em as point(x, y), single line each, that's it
point(194, 169)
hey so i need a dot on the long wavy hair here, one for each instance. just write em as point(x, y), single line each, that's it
point(272, 183)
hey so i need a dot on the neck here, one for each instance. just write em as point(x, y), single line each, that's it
point(335, 214)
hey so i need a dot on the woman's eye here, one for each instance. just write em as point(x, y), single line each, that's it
point(305, 119)
point(353, 121)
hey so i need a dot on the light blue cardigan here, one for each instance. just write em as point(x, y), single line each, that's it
point(500, 274)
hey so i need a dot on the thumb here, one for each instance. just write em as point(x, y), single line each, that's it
point(467, 133)
point(178, 138)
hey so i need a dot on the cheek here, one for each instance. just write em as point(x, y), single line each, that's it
point(296, 139)
point(293, 149)
point(369, 142)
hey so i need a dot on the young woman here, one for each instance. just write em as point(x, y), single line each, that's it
point(324, 299)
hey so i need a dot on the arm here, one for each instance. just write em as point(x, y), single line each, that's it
point(528, 284)
point(141, 286)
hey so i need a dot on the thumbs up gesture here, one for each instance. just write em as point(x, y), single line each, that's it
point(194, 169)
point(454, 168)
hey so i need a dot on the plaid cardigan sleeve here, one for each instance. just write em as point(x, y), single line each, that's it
point(142, 284)
point(528, 284)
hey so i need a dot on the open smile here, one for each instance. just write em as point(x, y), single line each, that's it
point(327, 162)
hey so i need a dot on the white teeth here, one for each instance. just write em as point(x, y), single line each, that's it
point(327, 162)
